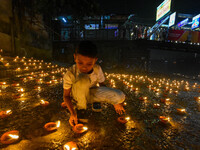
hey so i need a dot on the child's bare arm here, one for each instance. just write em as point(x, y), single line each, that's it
point(66, 96)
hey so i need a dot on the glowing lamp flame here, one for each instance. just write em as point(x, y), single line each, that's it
point(168, 118)
point(85, 128)
point(8, 112)
point(167, 99)
point(182, 110)
point(13, 136)
point(58, 124)
point(42, 102)
point(21, 90)
point(67, 147)
point(127, 118)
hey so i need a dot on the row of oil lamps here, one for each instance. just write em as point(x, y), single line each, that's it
point(13, 136)
point(147, 80)
point(39, 66)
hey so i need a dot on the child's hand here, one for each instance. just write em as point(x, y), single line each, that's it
point(73, 120)
point(119, 108)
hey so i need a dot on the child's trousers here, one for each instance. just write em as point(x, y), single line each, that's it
point(83, 94)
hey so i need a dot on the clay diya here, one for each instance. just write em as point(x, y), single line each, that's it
point(79, 128)
point(143, 98)
point(70, 146)
point(181, 111)
point(49, 83)
point(197, 98)
point(164, 119)
point(165, 100)
point(15, 84)
point(156, 105)
point(63, 105)
point(4, 114)
point(21, 90)
point(18, 95)
point(51, 126)
point(123, 119)
point(10, 137)
point(44, 103)
point(2, 83)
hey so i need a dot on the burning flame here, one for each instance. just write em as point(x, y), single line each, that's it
point(58, 124)
point(13, 136)
point(127, 118)
point(85, 128)
point(8, 112)
point(67, 147)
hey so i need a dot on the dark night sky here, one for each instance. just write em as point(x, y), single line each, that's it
point(147, 8)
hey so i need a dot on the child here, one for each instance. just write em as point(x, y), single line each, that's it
point(80, 80)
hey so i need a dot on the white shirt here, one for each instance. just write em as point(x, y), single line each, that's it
point(72, 73)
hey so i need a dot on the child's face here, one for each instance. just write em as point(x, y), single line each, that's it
point(84, 63)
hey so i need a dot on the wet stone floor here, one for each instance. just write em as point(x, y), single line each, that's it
point(145, 129)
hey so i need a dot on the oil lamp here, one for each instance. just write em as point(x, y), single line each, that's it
point(4, 114)
point(21, 90)
point(70, 146)
point(44, 103)
point(79, 128)
point(143, 98)
point(2, 83)
point(156, 105)
point(10, 137)
point(164, 119)
point(63, 105)
point(15, 84)
point(51, 126)
point(181, 111)
point(123, 119)
point(18, 69)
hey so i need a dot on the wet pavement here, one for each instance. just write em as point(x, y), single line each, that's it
point(144, 130)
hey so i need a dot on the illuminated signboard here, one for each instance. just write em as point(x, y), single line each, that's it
point(184, 22)
point(195, 22)
point(91, 26)
point(163, 9)
point(111, 26)
point(172, 19)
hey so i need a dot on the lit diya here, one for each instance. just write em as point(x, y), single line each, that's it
point(2, 83)
point(165, 100)
point(4, 114)
point(181, 111)
point(51, 126)
point(44, 103)
point(70, 146)
point(156, 105)
point(164, 119)
point(143, 98)
point(10, 137)
point(197, 98)
point(48, 83)
point(79, 128)
point(123, 119)
point(15, 84)
point(21, 90)
point(18, 95)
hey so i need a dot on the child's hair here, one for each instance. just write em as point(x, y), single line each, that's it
point(87, 48)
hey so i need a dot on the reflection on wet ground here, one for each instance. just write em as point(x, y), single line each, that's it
point(146, 129)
